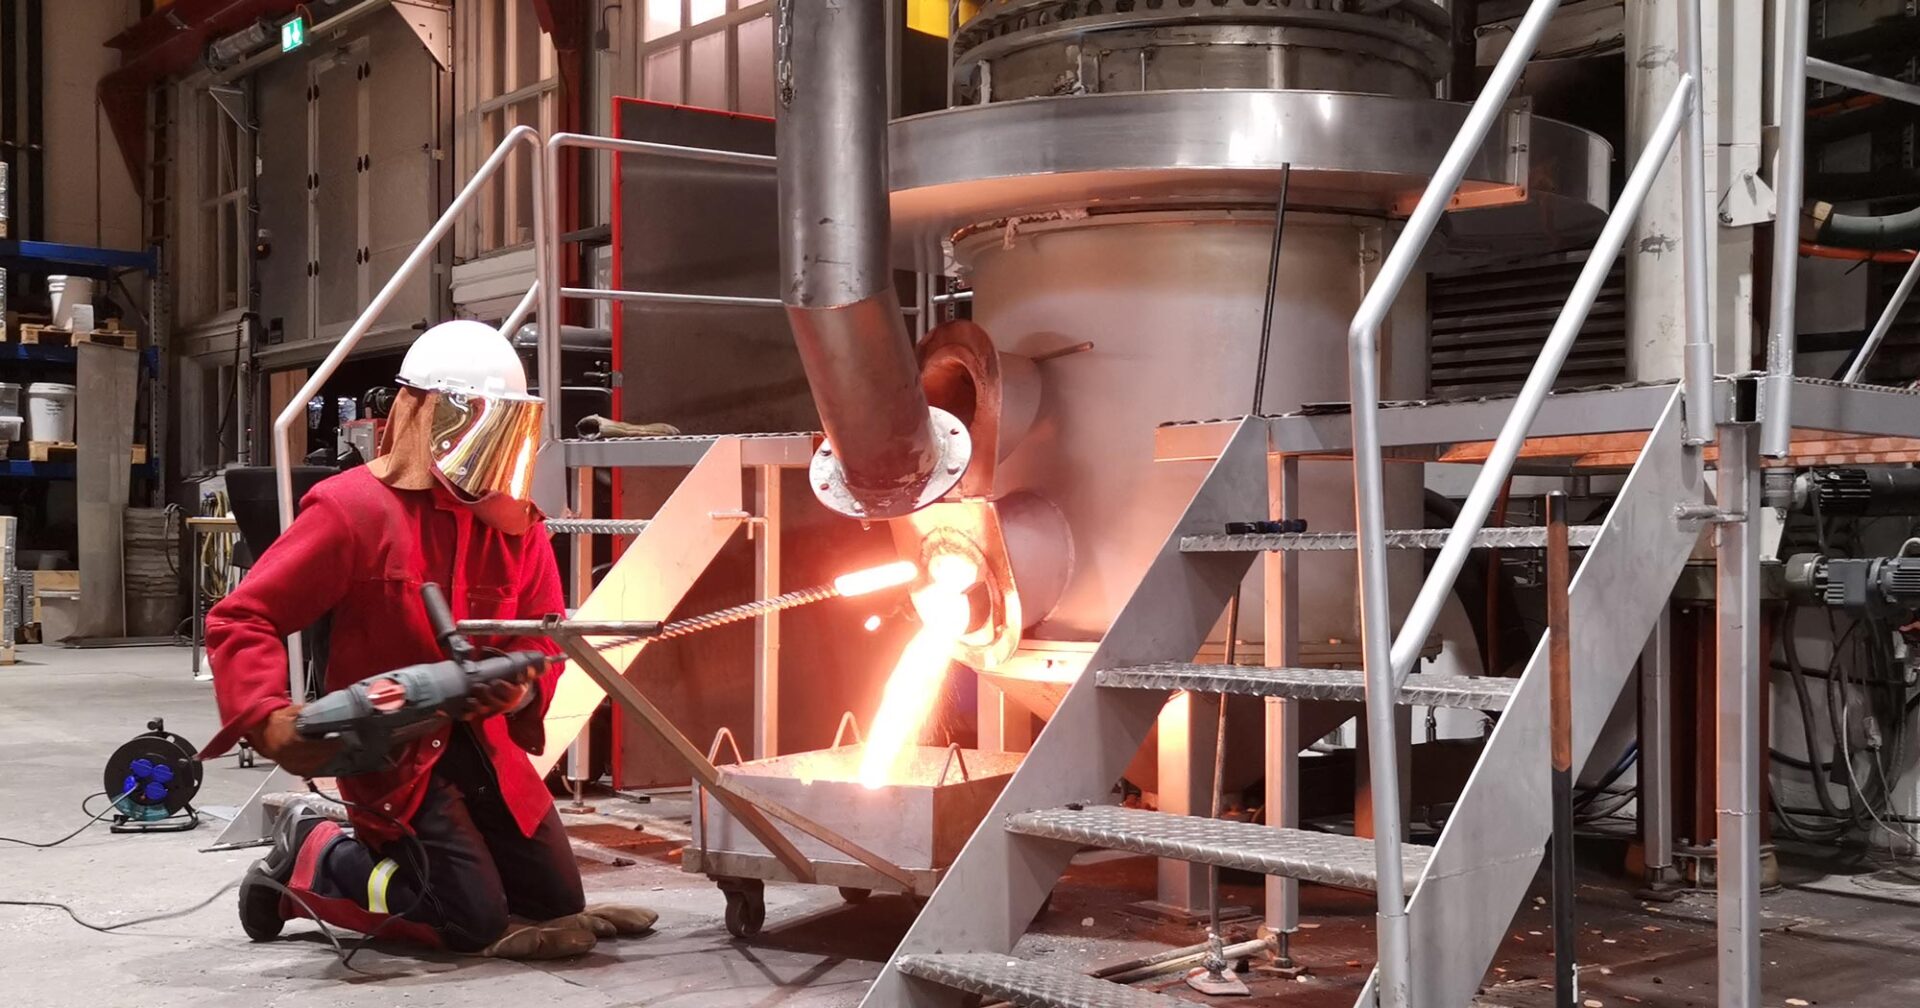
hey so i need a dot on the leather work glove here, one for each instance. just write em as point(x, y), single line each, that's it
point(502, 697)
point(541, 941)
point(607, 920)
point(275, 738)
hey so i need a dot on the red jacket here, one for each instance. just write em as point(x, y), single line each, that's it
point(360, 550)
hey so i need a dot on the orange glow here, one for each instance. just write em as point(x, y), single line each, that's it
point(873, 579)
point(915, 682)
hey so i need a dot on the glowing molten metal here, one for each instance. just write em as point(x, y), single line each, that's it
point(915, 682)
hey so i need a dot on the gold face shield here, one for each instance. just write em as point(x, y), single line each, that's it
point(485, 444)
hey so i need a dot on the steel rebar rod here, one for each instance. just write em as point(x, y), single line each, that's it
point(1566, 983)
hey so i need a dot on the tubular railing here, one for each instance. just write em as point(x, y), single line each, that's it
point(283, 424)
point(1388, 659)
point(551, 295)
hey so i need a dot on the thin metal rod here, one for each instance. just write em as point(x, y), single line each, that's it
point(518, 318)
point(1216, 959)
point(1739, 685)
point(1566, 984)
point(1656, 751)
point(1860, 80)
point(1882, 327)
point(665, 297)
point(1395, 943)
point(1698, 238)
point(424, 251)
point(1789, 181)
point(544, 628)
point(1273, 284)
point(587, 141)
point(1438, 587)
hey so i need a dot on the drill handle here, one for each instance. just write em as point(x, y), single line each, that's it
point(440, 617)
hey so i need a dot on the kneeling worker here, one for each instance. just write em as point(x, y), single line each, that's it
point(457, 844)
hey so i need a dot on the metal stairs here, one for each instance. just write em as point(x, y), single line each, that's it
point(1464, 889)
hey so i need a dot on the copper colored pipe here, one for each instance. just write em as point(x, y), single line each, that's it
point(1819, 251)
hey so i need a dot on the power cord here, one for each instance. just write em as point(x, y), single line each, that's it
point(340, 950)
point(91, 819)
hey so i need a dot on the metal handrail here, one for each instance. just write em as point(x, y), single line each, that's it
point(1395, 945)
point(1388, 659)
point(1885, 324)
point(551, 295)
point(283, 424)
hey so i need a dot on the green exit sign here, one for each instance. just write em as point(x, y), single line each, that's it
point(293, 34)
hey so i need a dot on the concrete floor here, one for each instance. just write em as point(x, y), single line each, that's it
point(62, 712)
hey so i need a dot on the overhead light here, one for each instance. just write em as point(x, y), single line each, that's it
point(227, 51)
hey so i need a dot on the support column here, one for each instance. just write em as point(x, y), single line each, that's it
point(1741, 667)
point(1185, 755)
point(1656, 753)
point(1282, 616)
point(766, 630)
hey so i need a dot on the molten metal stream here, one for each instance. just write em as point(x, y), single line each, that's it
point(916, 679)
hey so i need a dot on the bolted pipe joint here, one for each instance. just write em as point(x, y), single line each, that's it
point(887, 452)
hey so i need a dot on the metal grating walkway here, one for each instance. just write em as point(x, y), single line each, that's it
point(1328, 858)
point(1501, 537)
point(1025, 984)
point(1464, 692)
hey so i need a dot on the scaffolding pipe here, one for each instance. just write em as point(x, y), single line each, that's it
point(886, 451)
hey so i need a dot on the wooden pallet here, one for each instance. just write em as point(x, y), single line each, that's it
point(48, 335)
point(67, 451)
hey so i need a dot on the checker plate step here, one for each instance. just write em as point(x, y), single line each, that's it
point(1499, 537)
point(1464, 692)
point(1026, 984)
point(1328, 858)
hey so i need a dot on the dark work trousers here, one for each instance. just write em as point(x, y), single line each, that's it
point(479, 869)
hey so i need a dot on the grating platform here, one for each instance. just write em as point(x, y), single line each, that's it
point(1463, 692)
point(1025, 984)
point(1329, 858)
point(1502, 537)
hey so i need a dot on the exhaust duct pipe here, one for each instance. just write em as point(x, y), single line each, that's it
point(887, 452)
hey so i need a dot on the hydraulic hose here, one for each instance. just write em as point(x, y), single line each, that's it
point(1888, 232)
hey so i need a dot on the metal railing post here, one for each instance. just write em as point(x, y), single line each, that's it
point(1789, 179)
point(1698, 238)
point(1395, 945)
point(296, 407)
point(1880, 328)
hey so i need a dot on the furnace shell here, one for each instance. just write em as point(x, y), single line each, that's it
point(1172, 303)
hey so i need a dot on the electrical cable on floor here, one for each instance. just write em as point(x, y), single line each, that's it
point(91, 819)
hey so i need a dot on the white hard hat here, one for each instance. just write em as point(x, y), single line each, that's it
point(464, 356)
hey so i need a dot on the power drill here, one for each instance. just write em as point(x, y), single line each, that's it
point(380, 713)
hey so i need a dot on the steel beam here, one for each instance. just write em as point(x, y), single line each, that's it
point(1282, 626)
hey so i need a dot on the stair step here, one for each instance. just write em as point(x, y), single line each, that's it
point(1026, 984)
point(1329, 858)
point(1502, 537)
point(1464, 692)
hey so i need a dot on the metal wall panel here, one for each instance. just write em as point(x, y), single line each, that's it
point(1488, 325)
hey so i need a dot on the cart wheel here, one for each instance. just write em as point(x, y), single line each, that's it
point(746, 911)
point(853, 895)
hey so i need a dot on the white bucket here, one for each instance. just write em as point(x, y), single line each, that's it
point(50, 411)
point(67, 292)
point(9, 399)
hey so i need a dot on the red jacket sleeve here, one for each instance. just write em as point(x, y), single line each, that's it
point(296, 581)
point(539, 596)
